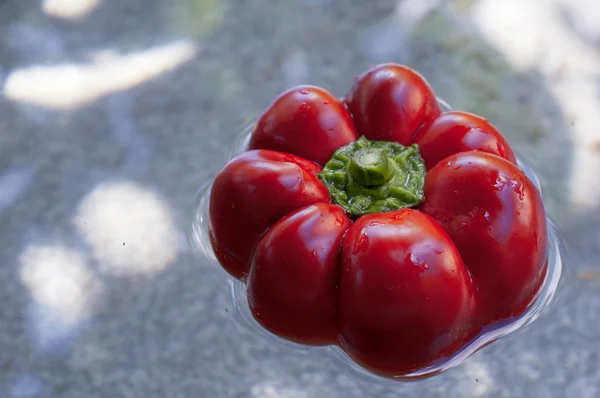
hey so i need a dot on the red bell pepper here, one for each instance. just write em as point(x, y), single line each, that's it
point(379, 223)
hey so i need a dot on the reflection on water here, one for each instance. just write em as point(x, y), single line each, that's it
point(389, 38)
point(29, 386)
point(69, 9)
point(14, 182)
point(130, 229)
point(532, 35)
point(196, 18)
point(478, 382)
point(64, 293)
point(136, 145)
point(35, 42)
point(274, 389)
point(69, 85)
point(295, 67)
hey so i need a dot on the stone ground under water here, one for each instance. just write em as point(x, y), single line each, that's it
point(112, 113)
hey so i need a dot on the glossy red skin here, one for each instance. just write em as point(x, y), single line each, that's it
point(251, 193)
point(391, 103)
point(494, 215)
point(412, 286)
point(307, 121)
point(455, 132)
point(405, 297)
point(292, 286)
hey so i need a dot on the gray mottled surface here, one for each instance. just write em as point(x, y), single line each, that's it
point(114, 112)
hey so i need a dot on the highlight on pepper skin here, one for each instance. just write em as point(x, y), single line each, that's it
point(307, 121)
point(252, 192)
point(495, 217)
point(454, 132)
point(405, 296)
point(379, 223)
point(296, 264)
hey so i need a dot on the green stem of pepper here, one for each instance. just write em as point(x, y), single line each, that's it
point(370, 167)
point(375, 176)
